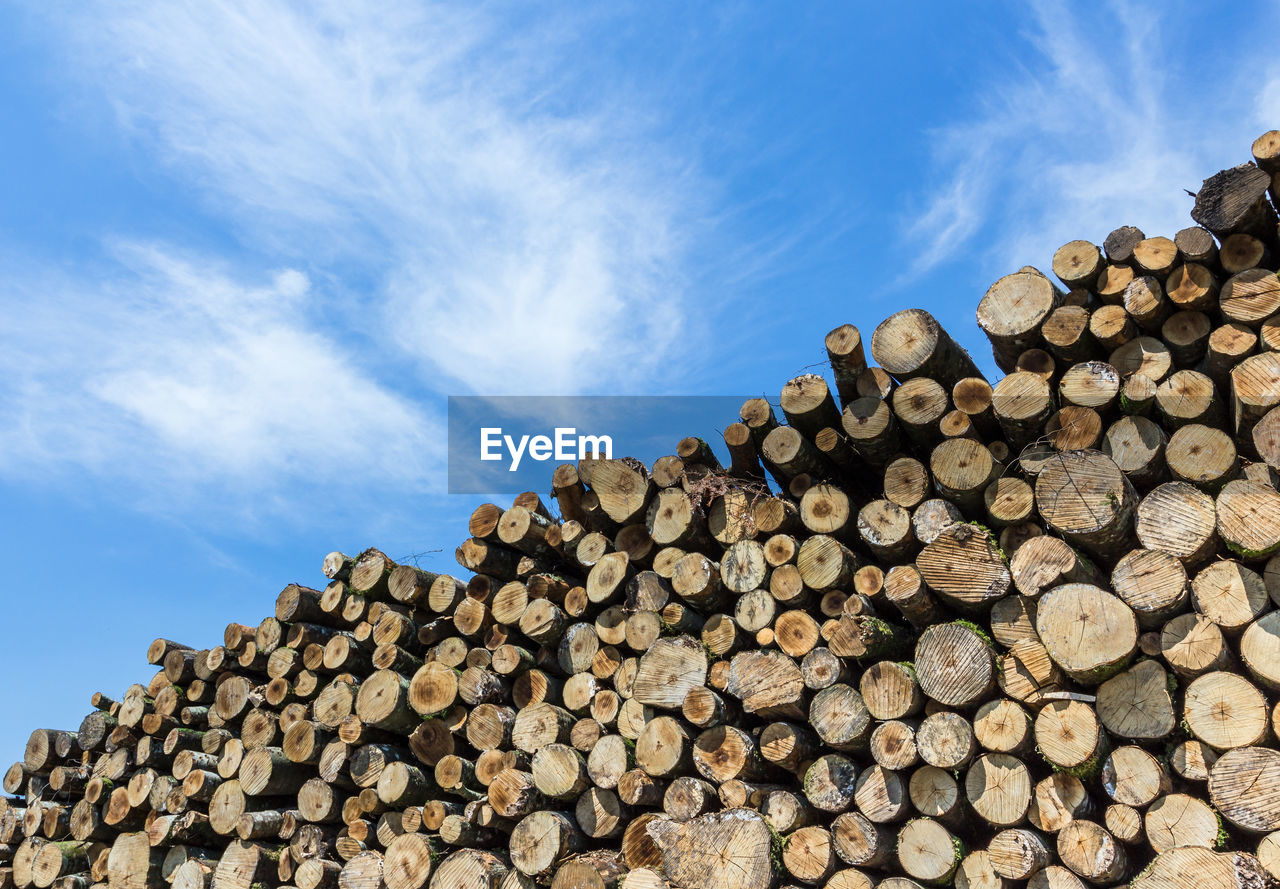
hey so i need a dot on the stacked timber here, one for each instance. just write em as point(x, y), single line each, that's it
point(918, 629)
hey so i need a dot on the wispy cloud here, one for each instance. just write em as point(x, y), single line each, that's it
point(1104, 124)
point(513, 245)
point(172, 372)
point(460, 214)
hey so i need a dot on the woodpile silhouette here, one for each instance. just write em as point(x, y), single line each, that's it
point(1021, 634)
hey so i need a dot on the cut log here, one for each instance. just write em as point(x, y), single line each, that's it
point(1136, 704)
point(1078, 264)
point(945, 740)
point(962, 470)
point(920, 404)
point(1022, 403)
point(1057, 801)
point(928, 851)
point(1002, 726)
point(1225, 711)
point(1192, 644)
point(663, 747)
point(1088, 632)
point(965, 568)
point(845, 353)
point(998, 786)
point(1090, 851)
point(1177, 819)
point(912, 344)
point(133, 863)
point(872, 430)
point(1047, 562)
point(893, 745)
point(825, 563)
point(1249, 519)
point(1152, 583)
point(1235, 200)
point(840, 718)
point(807, 404)
point(668, 670)
point(1017, 853)
point(1119, 245)
point(734, 847)
point(1084, 496)
point(885, 529)
point(1067, 337)
point(469, 869)
point(859, 842)
point(1178, 519)
point(1190, 867)
point(830, 782)
point(1230, 595)
point(955, 665)
point(1015, 307)
point(1242, 788)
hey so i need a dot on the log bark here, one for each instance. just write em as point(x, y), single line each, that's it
point(1235, 200)
point(1119, 245)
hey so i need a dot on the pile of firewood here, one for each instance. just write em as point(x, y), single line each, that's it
point(990, 636)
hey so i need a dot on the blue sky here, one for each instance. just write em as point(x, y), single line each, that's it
point(251, 247)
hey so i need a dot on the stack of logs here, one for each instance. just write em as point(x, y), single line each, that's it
point(985, 636)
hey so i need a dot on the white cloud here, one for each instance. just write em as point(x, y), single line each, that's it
point(457, 213)
point(1104, 125)
point(172, 376)
point(513, 248)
